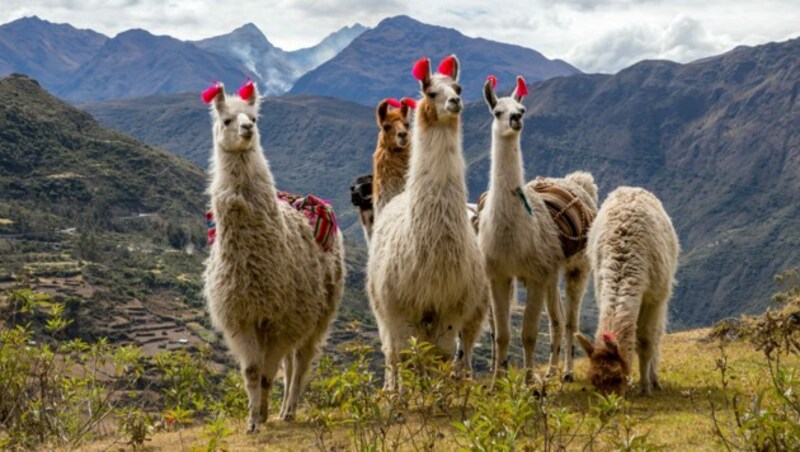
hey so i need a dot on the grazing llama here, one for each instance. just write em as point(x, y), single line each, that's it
point(270, 286)
point(519, 239)
point(425, 275)
point(634, 250)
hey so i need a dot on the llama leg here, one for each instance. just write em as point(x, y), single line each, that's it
point(537, 292)
point(556, 315)
point(288, 371)
point(577, 278)
point(469, 335)
point(274, 353)
point(501, 304)
point(248, 351)
point(302, 367)
point(649, 329)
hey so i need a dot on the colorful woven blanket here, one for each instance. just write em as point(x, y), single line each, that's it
point(318, 212)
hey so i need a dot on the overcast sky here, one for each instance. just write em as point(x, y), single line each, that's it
point(594, 35)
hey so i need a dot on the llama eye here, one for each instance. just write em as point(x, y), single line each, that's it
point(497, 114)
point(406, 125)
point(227, 122)
point(523, 111)
point(253, 118)
point(387, 128)
point(458, 89)
point(431, 95)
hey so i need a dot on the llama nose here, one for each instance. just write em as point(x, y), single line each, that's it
point(247, 126)
point(402, 135)
point(454, 104)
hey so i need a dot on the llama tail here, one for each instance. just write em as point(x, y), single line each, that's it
point(586, 181)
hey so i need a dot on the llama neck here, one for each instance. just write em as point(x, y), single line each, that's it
point(243, 176)
point(507, 176)
point(436, 171)
point(619, 317)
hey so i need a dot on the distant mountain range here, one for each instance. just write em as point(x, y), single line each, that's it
point(354, 63)
point(377, 63)
point(82, 65)
point(717, 140)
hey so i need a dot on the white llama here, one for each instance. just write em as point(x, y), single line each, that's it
point(520, 238)
point(425, 275)
point(634, 250)
point(270, 287)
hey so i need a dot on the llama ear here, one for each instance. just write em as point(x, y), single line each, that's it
point(408, 105)
point(449, 67)
point(587, 344)
point(249, 92)
point(380, 112)
point(422, 71)
point(488, 93)
point(610, 339)
point(215, 93)
point(521, 90)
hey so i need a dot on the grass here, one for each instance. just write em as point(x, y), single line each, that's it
point(676, 418)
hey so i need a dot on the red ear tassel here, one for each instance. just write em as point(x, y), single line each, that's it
point(394, 103)
point(447, 66)
point(211, 92)
point(247, 90)
point(609, 337)
point(522, 87)
point(422, 68)
point(410, 103)
point(492, 79)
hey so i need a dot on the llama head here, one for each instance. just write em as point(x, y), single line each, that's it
point(393, 120)
point(508, 111)
point(609, 370)
point(234, 117)
point(441, 93)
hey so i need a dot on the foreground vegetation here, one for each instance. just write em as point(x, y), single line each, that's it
point(735, 386)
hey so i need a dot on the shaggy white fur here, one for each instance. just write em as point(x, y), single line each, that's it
point(634, 253)
point(269, 286)
point(425, 275)
point(526, 245)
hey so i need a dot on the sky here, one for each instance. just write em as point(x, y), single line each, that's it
point(595, 36)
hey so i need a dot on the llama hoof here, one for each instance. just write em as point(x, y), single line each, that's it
point(568, 377)
point(252, 427)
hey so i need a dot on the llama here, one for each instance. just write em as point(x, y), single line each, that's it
point(520, 240)
point(270, 288)
point(425, 275)
point(361, 197)
point(633, 250)
point(390, 160)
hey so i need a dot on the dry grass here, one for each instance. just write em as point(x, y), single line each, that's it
point(677, 418)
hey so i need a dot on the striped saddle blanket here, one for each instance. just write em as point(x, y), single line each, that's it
point(319, 213)
point(567, 210)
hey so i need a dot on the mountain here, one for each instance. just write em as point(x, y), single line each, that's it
point(314, 144)
point(107, 224)
point(250, 48)
point(310, 58)
point(136, 63)
point(377, 64)
point(276, 69)
point(46, 51)
point(717, 140)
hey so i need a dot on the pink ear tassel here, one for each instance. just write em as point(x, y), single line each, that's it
point(247, 90)
point(492, 79)
point(211, 92)
point(522, 87)
point(410, 103)
point(447, 66)
point(394, 103)
point(609, 337)
point(422, 68)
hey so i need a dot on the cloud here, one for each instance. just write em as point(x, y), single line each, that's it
point(682, 40)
